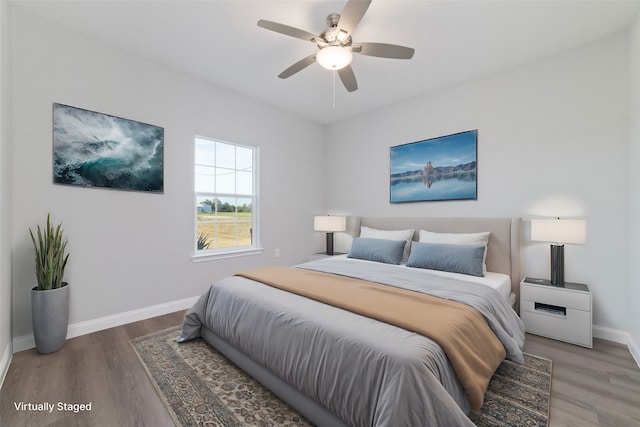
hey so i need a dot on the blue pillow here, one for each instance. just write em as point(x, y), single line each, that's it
point(380, 250)
point(465, 259)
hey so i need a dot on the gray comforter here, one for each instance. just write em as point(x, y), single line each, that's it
point(366, 372)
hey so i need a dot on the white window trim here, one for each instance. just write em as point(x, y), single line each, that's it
point(222, 253)
point(208, 256)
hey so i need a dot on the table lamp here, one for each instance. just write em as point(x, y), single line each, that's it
point(558, 232)
point(329, 224)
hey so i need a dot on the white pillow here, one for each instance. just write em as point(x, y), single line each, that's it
point(390, 235)
point(481, 238)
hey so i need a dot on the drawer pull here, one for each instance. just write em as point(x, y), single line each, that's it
point(553, 309)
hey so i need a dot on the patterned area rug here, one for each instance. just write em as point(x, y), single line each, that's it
point(518, 395)
point(200, 387)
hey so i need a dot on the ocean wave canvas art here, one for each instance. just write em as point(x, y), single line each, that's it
point(437, 169)
point(99, 150)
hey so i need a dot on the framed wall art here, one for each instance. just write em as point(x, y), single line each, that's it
point(436, 169)
point(92, 149)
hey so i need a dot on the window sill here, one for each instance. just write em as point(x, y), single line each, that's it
point(227, 254)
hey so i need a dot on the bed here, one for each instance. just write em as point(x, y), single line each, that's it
point(339, 367)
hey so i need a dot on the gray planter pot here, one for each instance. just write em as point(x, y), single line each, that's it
point(50, 317)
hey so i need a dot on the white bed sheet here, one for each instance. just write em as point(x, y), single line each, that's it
point(497, 281)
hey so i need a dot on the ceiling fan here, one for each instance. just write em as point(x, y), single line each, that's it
point(335, 46)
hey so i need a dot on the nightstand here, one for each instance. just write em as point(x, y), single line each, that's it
point(323, 255)
point(558, 312)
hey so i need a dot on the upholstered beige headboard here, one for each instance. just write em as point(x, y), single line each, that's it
point(503, 253)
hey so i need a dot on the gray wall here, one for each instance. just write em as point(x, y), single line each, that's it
point(5, 188)
point(552, 140)
point(131, 250)
point(633, 299)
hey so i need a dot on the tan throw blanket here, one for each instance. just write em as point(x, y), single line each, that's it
point(471, 347)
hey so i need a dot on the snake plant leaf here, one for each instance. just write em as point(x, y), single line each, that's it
point(50, 255)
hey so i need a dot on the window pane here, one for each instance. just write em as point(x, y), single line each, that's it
point(204, 207)
point(226, 206)
point(244, 159)
point(205, 152)
point(244, 183)
point(226, 232)
point(206, 236)
point(225, 181)
point(245, 221)
point(205, 179)
point(244, 206)
point(205, 223)
point(225, 155)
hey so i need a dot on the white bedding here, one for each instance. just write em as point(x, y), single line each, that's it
point(498, 281)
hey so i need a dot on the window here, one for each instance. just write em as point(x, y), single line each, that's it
point(225, 198)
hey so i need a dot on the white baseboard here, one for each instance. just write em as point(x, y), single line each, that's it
point(5, 361)
point(26, 342)
point(634, 348)
point(609, 334)
point(620, 337)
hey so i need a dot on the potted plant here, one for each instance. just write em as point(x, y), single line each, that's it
point(50, 299)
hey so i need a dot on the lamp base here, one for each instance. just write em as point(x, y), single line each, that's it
point(557, 265)
point(330, 243)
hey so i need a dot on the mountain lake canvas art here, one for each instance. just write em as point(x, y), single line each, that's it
point(443, 168)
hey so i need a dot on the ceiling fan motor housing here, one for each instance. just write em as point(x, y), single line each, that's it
point(333, 19)
point(332, 36)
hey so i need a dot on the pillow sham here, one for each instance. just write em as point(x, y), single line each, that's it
point(451, 257)
point(406, 235)
point(481, 238)
point(379, 250)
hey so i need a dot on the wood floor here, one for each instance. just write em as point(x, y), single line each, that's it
point(599, 387)
point(100, 368)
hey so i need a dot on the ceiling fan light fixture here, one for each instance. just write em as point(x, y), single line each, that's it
point(334, 57)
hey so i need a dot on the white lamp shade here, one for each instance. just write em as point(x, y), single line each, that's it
point(330, 223)
point(334, 57)
point(573, 231)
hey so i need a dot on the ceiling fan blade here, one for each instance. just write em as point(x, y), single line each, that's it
point(286, 30)
point(351, 15)
point(348, 78)
point(298, 66)
point(383, 50)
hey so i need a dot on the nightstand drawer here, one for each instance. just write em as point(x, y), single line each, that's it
point(574, 327)
point(557, 297)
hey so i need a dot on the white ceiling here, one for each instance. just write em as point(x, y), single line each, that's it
point(219, 41)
